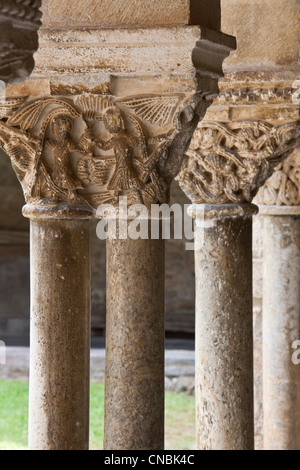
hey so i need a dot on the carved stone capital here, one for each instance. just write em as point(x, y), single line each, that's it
point(19, 23)
point(229, 162)
point(90, 149)
point(115, 121)
point(283, 188)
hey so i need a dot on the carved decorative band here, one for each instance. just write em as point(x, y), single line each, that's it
point(257, 95)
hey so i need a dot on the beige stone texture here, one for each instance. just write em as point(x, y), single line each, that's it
point(276, 113)
point(127, 60)
point(134, 391)
point(156, 58)
point(116, 14)
point(257, 245)
point(258, 374)
point(130, 13)
point(60, 330)
point(257, 278)
point(91, 60)
point(224, 343)
point(33, 88)
point(281, 325)
point(118, 50)
point(267, 33)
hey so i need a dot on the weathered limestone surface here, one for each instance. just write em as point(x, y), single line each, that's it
point(270, 49)
point(60, 331)
point(130, 13)
point(160, 59)
point(281, 326)
point(123, 13)
point(257, 245)
point(121, 51)
point(227, 162)
point(134, 396)
point(259, 90)
point(279, 206)
point(224, 367)
point(113, 117)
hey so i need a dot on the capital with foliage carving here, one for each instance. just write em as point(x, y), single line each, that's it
point(227, 163)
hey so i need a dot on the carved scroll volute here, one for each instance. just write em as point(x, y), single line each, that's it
point(91, 149)
point(228, 163)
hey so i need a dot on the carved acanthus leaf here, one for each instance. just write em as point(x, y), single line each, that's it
point(228, 163)
point(91, 149)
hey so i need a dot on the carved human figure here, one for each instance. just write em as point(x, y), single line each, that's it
point(125, 176)
point(62, 145)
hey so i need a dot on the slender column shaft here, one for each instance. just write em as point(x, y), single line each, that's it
point(281, 326)
point(134, 386)
point(224, 343)
point(60, 334)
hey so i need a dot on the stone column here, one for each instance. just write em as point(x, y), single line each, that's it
point(252, 91)
point(221, 174)
point(60, 328)
point(279, 200)
point(224, 366)
point(134, 381)
point(75, 139)
point(45, 156)
point(68, 166)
